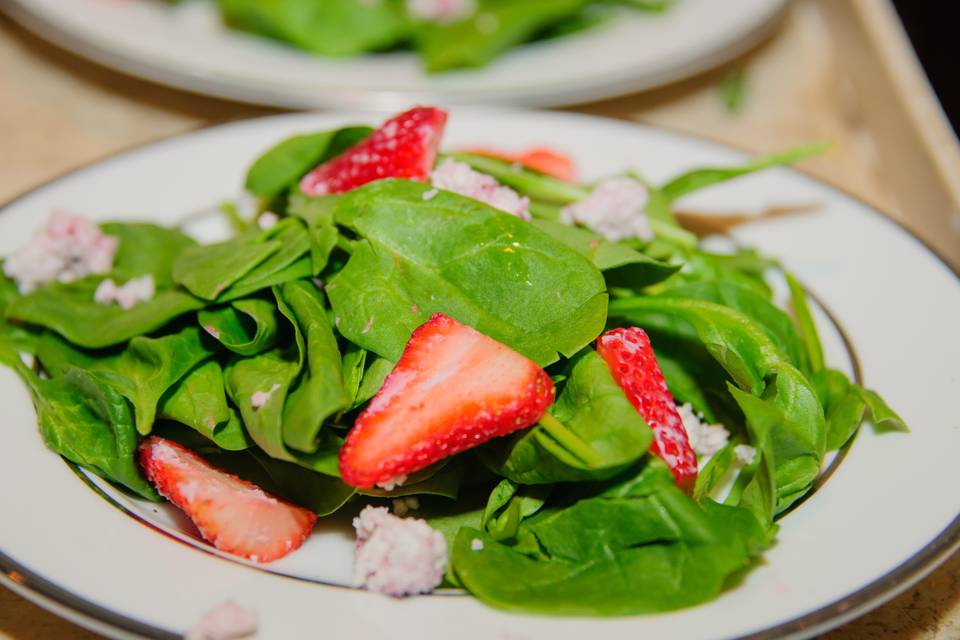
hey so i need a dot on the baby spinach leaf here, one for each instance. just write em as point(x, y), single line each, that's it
point(486, 268)
point(622, 266)
point(149, 366)
point(594, 408)
point(697, 179)
point(289, 262)
point(788, 402)
point(771, 319)
point(880, 412)
point(319, 392)
point(373, 379)
point(206, 271)
point(508, 505)
point(497, 27)
point(843, 406)
point(146, 249)
point(282, 166)
point(320, 493)
point(331, 27)
point(247, 327)
point(70, 310)
point(85, 420)
point(353, 362)
point(443, 479)
point(199, 401)
point(806, 324)
point(653, 550)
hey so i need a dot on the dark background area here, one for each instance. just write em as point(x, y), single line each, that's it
point(933, 33)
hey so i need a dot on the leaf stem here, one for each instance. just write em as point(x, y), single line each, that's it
point(570, 440)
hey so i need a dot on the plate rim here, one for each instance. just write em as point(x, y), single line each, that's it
point(350, 98)
point(45, 593)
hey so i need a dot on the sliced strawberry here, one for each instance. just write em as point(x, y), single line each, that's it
point(454, 388)
point(404, 147)
point(634, 366)
point(544, 160)
point(232, 514)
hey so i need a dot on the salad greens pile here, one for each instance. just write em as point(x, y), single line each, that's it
point(318, 308)
point(474, 34)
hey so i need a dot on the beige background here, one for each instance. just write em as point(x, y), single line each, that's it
point(836, 69)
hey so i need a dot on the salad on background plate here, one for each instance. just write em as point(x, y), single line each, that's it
point(387, 54)
point(546, 393)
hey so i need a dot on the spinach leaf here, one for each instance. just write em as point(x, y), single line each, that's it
point(247, 327)
point(697, 179)
point(654, 549)
point(843, 406)
point(331, 27)
point(70, 310)
point(319, 392)
point(806, 324)
point(290, 262)
point(443, 479)
point(282, 166)
point(373, 379)
point(497, 27)
point(743, 348)
point(199, 401)
point(206, 271)
point(776, 323)
point(622, 266)
point(149, 366)
point(595, 411)
point(508, 505)
point(146, 249)
point(461, 257)
point(85, 420)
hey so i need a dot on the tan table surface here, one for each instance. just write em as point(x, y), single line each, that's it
point(58, 112)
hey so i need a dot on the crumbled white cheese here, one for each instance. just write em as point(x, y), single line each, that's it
point(616, 209)
point(260, 398)
point(403, 506)
point(68, 248)
point(128, 295)
point(392, 483)
point(267, 220)
point(397, 556)
point(476, 544)
point(460, 178)
point(745, 454)
point(429, 195)
point(441, 11)
point(227, 621)
point(706, 439)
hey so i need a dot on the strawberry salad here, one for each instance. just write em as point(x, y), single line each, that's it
point(546, 393)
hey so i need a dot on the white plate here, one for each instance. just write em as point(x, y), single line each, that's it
point(886, 516)
point(187, 47)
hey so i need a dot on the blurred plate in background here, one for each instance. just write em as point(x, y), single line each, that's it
point(187, 47)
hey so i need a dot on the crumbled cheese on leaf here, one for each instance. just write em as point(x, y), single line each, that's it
point(392, 483)
point(260, 398)
point(68, 248)
point(441, 11)
point(397, 556)
point(267, 220)
point(127, 295)
point(745, 454)
point(227, 621)
point(616, 209)
point(459, 177)
point(706, 439)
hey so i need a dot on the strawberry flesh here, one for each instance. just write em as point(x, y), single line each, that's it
point(453, 389)
point(634, 366)
point(234, 515)
point(404, 147)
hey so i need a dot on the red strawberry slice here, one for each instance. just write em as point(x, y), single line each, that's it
point(404, 147)
point(634, 366)
point(232, 514)
point(545, 160)
point(454, 388)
